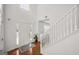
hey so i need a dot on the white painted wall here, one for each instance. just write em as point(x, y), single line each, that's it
point(53, 11)
point(16, 15)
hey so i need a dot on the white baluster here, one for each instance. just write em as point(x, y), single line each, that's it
point(75, 23)
point(64, 27)
point(67, 25)
point(54, 34)
point(60, 30)
point(71, 22)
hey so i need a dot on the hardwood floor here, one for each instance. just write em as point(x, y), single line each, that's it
point(32, 51)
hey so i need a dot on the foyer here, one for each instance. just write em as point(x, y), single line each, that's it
point(39, 29)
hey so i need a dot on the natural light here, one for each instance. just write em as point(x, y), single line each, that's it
point(17, 35)
point(25, 7)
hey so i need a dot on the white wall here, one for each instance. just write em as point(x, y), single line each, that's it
point(16, 15)
point(53, 11)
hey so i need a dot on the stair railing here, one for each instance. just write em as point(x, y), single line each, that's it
point(66, 25)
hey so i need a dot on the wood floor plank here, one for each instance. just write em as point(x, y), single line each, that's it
point(33, 51)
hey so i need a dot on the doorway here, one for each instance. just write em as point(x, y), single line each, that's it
point(44, 31)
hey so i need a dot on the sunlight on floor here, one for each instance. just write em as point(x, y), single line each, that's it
point(17, 52)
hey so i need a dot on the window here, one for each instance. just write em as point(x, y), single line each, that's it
point(25, 7)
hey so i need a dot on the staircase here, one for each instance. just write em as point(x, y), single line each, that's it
point(66, 27)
